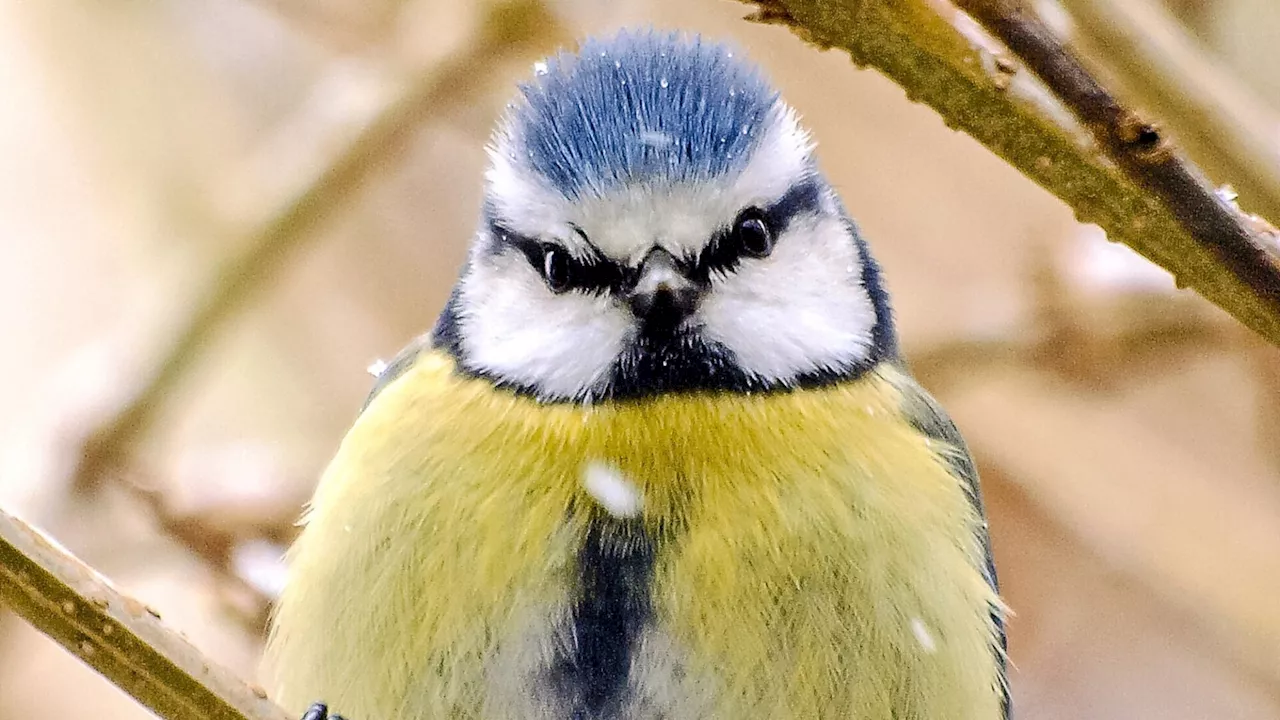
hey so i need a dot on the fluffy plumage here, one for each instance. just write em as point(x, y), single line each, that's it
point(796, 564)
point(576, 166)
point(659, 457)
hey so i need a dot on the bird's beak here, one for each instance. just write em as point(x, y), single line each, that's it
point(663, 296)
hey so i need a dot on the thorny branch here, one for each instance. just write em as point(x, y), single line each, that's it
point(117, 635)
point(509, 30)
point(1158, 204)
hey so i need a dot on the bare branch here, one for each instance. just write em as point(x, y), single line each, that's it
point(117, 635)
point(1222, 124)
point(912, 44)
point(214, 546)
point(509, 30)
point(1137, 146)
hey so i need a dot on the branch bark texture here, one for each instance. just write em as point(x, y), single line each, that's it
point(1137, 146)
point(1222, 124)
point(117, 635)
point(1196, 236)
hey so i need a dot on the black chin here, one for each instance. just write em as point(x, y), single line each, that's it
point(665, 360)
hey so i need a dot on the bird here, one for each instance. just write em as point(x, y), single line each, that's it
point(660, 457)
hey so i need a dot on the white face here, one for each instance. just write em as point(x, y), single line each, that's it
point(799, 310)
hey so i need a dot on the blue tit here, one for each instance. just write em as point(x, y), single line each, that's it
point(659, 457)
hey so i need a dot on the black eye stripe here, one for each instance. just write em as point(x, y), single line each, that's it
point(599, 275)
point(803, 198)
point(595, 275)
point(721, 255)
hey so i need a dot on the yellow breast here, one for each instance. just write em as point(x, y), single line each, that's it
point(814, 557)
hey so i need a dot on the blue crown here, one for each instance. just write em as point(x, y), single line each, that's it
point(644, 107)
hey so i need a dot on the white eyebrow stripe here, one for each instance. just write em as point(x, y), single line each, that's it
point(626, 224)
point(502, 236)
point(782, 159)
point(524, 202)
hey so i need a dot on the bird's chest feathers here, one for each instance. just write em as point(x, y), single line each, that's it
point(684, 552)
point(677, 466)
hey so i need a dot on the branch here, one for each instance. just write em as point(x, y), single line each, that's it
point(117, 635)
point(937, 64)
point(1220, 122)
point(213, 544)
point(1138, 147)
point(508, 30)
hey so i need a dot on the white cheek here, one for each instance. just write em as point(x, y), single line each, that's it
point(563, 345)
point(800, 310)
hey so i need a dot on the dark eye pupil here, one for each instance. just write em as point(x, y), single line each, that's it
point(753, 235)
point(555, 268)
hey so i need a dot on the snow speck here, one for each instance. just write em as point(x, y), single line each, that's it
point(377, 367)
point(923, 636)
point(261, 564)
point(615, 493)
point(655, 139)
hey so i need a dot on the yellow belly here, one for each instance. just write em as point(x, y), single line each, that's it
point(814, 557)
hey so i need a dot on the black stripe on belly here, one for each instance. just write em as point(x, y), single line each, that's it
point(615, 566)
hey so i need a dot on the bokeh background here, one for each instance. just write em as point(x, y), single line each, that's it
point(151, 154)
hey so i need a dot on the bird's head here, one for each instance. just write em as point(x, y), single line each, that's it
point(654, 221)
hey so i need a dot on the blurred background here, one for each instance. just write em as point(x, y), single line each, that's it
point(216, 214)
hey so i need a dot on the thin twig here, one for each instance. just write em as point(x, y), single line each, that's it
point(937, 64)
point(1137, 146)
point(509, 30)
point(117, 635)
point(1083, 343)
point(1223, 126)
point(212, 545)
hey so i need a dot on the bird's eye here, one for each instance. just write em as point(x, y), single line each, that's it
point(556, 270)
point(752, 233)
